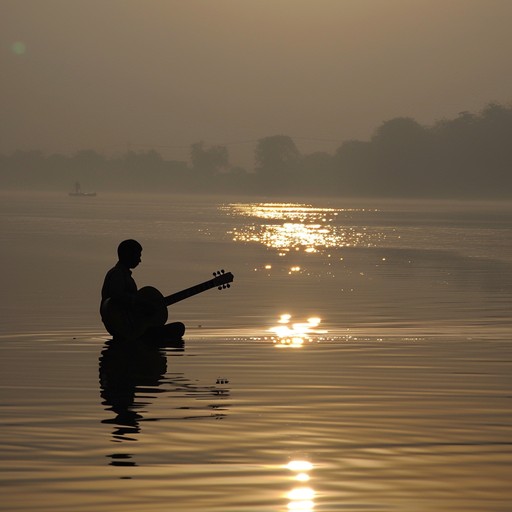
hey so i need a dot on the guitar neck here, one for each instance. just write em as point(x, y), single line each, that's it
point(190, 292)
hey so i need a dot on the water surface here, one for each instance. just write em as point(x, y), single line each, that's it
point(396, 397)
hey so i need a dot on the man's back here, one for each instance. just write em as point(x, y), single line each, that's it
point(118, 284)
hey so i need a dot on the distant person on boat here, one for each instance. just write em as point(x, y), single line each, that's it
point(123, 312)
point(78, 191)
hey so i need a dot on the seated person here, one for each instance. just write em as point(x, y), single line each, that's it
point(123, 312)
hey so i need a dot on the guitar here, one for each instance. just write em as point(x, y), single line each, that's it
point(133, 324)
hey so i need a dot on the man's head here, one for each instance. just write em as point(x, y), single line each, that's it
point(129, 253)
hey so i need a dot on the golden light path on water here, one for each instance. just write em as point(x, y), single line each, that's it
point(293, 229)
point(299, 227)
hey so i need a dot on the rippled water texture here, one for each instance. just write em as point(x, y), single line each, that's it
point(361, 360)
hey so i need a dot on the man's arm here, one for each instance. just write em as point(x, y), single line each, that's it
point(119, 287)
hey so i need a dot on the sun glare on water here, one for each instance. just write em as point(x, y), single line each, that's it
point(288, 334)
point(301, 497)
point(288, 227)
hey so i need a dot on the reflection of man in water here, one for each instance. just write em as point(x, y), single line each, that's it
point(122, 370)
point(120, 289)
point(132, 375)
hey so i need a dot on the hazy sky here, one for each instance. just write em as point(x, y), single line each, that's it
point(99, 74)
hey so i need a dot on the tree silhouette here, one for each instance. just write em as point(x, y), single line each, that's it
point(275, 155)
point(277, 159)
point(467, 156)
point(208, 161)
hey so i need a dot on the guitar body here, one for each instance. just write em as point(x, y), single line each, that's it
point(152, 296)
point(134, 322)
point(150, 308)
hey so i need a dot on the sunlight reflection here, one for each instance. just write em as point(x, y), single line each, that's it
point(282, 211)
point(302, 227)
point(299, 465)
point(284, 319)
point(295, 335)
point(301, 498)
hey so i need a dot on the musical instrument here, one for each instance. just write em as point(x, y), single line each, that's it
point(131, 324)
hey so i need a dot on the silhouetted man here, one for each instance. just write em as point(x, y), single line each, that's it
point(123, 312)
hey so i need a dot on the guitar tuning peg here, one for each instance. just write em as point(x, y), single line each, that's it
point(222, 271)
point(220, 287)
point(214, 274)
point(228, 286)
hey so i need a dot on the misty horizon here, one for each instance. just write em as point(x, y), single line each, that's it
point(166, 74)
point(467, 156)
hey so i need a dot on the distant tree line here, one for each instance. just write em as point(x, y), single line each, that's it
point(469, 156)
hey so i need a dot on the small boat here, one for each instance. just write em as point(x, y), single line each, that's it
point(78, 192)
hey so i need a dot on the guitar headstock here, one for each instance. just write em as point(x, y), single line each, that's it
point(222, 279)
